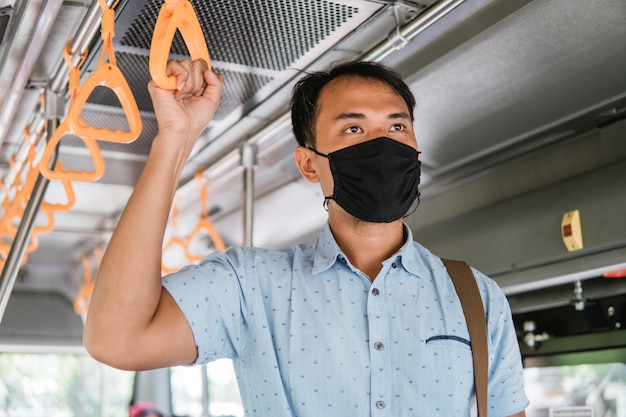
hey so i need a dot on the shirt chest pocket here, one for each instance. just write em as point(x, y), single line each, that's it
point(450, 359)
point(448, 341)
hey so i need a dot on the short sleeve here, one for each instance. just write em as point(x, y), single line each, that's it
point(211, 297)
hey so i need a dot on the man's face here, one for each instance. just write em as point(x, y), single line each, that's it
point(352, 110)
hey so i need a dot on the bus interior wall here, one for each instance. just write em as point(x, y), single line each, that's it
point(520, 118)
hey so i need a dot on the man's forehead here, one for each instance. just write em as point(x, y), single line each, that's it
point(347, 96)
point(357, 82)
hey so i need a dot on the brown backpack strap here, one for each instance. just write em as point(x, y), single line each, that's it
point(471, 302)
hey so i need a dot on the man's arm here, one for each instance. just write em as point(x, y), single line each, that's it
point(133, 323)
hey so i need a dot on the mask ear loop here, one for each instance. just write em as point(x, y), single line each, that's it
point(325, 202)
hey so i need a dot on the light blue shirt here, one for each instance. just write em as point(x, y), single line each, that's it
point(311, 336)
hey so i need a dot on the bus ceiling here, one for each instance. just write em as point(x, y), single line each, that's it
point(520, 119)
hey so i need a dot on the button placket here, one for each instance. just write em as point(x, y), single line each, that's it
point(380, 361)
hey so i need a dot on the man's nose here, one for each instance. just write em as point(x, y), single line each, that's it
point(377, 133)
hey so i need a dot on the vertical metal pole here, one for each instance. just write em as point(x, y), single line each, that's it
point(24, 230)
point(205, 391)
point(248, 160)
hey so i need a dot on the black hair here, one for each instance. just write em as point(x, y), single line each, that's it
point(307, 90)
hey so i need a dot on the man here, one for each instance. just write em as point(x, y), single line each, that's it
point(362, 321)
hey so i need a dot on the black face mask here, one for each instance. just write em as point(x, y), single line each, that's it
point(375, 181)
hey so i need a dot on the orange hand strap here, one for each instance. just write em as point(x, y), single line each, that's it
point(74, 80)
point(83, 297)
point(6, 216)
point(59, 173)
point(175, 14)
point(204, 225)
point(66, 128)
point(69, 193)
point(174, 241)
point(14, 208)
point(106, 75)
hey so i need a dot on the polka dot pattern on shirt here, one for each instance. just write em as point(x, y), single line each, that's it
point(311, 335)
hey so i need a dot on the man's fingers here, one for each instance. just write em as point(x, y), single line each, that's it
point(197, 77)
point(181, 70)
point(189, 76)
point(214, 83)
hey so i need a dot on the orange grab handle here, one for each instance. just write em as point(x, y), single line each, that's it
point(83, 297)
point(175, 14)
point(65, 128)
point(69, 192)
point(33, 242)
point(47, 227)
point(24, 191)
point(107, 75)
point(175, 240)
point(204, 224)
point(74, 79)
point(9, 229)
point(6, 208)
point(59, 172)
point(4, 254)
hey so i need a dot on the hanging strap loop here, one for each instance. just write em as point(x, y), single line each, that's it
point(74, 79)
point(106, 75)
point(59, 172)
point(66, 128)
point(175, 14)
point(175, 240)
point(204, 225)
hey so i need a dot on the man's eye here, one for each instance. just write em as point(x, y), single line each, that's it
point(353, 129)
point(397, 126)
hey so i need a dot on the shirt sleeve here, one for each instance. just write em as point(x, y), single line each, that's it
point(211, 297)
point(506, 377)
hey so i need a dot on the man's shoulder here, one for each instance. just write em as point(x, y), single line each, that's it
point(260, 256)
point(434, 265)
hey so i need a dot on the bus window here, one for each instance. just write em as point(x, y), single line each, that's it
point(67, 385)
point(214, 385)
point(224, 399)
point(595, 390)
point(187, 388)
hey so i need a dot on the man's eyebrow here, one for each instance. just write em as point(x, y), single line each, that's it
point(354, 115)
point(401, 115)
point(344, 116)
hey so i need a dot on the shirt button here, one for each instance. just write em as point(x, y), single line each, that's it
point(393, 265)
point(378, 346)
point(380, 404)
point(375, 291)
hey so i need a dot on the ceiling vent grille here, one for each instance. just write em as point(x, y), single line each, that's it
point(268, 34)
point(258, 45)
point(5, 18)
point(240, 88)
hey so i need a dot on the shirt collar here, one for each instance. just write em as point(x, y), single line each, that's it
point(328, 252)
point(409, 254)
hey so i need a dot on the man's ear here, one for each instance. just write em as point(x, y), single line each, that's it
point(305, 163)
